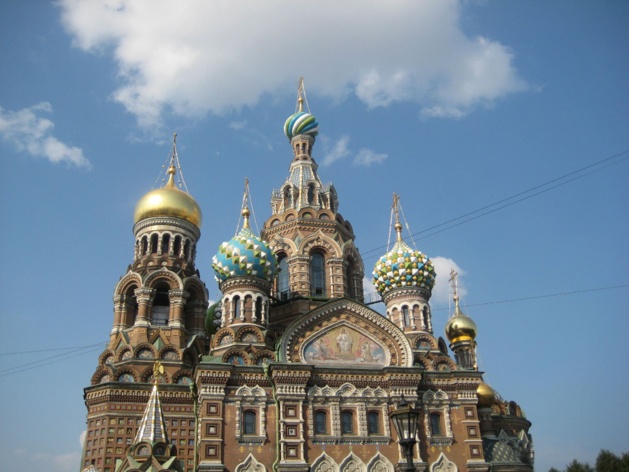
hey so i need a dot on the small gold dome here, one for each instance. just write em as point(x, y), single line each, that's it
point(485, 395)
point(169, 201)
point(460, 328)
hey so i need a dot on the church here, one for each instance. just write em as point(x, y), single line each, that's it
point(292, 369)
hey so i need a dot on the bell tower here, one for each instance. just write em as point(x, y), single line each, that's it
point(159, 314)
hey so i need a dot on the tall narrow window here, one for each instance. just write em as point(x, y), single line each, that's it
point(406, 315)
point(321, 422)
point(236, 304)
point(347, 422)
point(161, 305)
point(249, 422)
point(435, 424)
point(165, 243)
point(282, 278)
point(177, 246)
point(317, 274)
point(258, 312)
point(154, 243)
point(373, 422)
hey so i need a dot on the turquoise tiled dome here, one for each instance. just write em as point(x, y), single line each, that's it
point(244, 255)
point(403, 267)
point(301, 123)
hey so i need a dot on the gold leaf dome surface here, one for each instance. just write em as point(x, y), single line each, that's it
point(169, 201)
point(485, 395)
point(460, 327)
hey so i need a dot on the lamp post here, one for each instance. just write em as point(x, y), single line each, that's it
point(405, 421)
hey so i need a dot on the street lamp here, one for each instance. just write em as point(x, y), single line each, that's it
point(405, 421)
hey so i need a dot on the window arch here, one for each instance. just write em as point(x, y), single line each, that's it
point(321, 422)
point(258, 308)
point(347, 422)
point(317, 274)
point(249, 423)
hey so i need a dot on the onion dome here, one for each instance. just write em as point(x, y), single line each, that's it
point(486, 395)
point(213, 318)
point(301, 123)
point(403, 267)
point(169, 201)
point(244, 255)
point(460, 327)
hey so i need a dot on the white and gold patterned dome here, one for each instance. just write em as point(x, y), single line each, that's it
point(403, 266)
point(244, 255)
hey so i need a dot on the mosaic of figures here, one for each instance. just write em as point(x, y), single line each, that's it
point(343, 345)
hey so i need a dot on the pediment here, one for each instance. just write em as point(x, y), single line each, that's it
point(345, 333)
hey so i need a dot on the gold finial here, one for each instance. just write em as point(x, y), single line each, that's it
point(396, 211)
point(455, 290)
point(158, 369)
point(245, 209)
point(301, 97)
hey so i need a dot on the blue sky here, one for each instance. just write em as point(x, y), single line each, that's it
point(453, 105)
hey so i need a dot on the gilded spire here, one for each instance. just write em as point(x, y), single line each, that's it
point(153, 427)
point(455, 291)
point(396, 211)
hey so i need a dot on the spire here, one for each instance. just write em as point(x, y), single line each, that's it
point(153, 427)
point(454, 281)
point(396, 210)
point(301, 97)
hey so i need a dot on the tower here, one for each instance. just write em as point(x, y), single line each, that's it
point(461, 332)
point(404, 278)
point(245, 269)
point(159, 312)
point(313, 243)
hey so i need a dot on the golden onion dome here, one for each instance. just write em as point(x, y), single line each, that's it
point(485, 395)
point(461, 328)
point(169, 201)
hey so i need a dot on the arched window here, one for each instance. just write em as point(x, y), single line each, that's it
point(321, 422)
point(406, 315)
point(435, 424)
point(317, 274)
point(310, 194)
point(347, 422)
point(283, 286)
point(373, 422)
point(425, 316)
point(161, 305)
point(177, 246)
point(165, 243)
point(249, 422)
point(145, 246)
point(153, 243)
point(258, 311)
point(186, 250)
point(236, 305)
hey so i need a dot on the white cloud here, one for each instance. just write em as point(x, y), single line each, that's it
point(220, 56)
point(28, 131)
point(336, 151)
point(366, 157)
point(238, 125)
point(441, 294)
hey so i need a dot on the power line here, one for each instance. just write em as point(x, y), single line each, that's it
point(51, 350)
point(49, 360)
point(533, 297)
point(561, 181)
